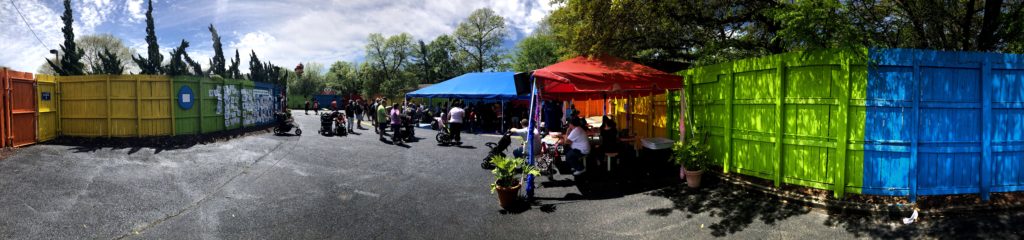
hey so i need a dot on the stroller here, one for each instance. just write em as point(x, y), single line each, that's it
point(443, 137)
point(497, 149)
point(408, 129)
point(285, 124)
point(327, 122)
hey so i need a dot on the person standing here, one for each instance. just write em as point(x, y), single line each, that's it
point(396, 123)
point(350, 112)
point(358, 109)
point(316, 107)
point(382, 119)
point(334, 105)
point(457, 115)
point(307, 107)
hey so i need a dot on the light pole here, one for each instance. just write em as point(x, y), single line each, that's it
point(56, 56)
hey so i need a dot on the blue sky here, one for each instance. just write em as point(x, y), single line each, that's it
point(285, 32)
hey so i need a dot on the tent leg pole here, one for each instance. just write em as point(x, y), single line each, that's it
point(502, 130)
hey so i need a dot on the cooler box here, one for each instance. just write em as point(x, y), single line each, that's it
point(657, 143)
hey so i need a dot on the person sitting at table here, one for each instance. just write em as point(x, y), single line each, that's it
point(578, 146)
point(523, 132)
point(609, 135)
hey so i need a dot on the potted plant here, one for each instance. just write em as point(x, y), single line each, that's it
point(693, 157)
point(508, 178)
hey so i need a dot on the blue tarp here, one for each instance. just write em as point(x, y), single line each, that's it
point(489, 85)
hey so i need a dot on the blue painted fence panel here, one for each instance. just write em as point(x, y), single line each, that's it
point(943, 123)
point(275, 92)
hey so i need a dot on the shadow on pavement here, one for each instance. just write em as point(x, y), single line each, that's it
point(158, 144)
point(1001, 225)
point(736, 206)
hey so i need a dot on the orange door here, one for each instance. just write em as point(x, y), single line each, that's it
point(21, 105)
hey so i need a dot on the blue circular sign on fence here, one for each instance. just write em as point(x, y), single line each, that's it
point(185, 97)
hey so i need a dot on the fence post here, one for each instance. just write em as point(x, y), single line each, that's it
point(986, 134)
point(842, 141)
point(109, 130)
point(199, 100)
point(173, 104)
point(780, 99)
point(57, 102)
point(915, 95)
point(138, 105)
point(730, 91)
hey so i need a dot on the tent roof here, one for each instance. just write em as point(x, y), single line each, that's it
point(487, 85)
point(603, 75)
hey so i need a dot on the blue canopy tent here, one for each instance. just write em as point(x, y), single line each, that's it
point(481, 85)
point(499, 86)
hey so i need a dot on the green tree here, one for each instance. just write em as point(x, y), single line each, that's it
point(178, 65)
point(388, 60)
point(257, 71)
point(421, 57)
point(233, 71)
point(444, 58)
point(480, 36)
point(70, 63)
point(217, 65)
point(311, 81)
point(109, 63)
point(93, 46)
point(671, 30)
point(535, 52)
point(154, 62)
point(343, 77)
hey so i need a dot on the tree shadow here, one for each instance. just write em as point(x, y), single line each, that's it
point(158, 144)
point(737, 207)
point(972, 225)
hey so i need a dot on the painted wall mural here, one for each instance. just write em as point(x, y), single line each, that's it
point(258, 105)
point(243, 106)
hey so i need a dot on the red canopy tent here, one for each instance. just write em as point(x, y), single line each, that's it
point(583, 77)
point(586, 78)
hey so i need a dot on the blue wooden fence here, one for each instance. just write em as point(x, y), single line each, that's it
point(944, 123)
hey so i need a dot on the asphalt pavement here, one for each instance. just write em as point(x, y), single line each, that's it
point(357, 187)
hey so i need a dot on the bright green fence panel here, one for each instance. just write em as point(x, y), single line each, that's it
point(186, 121)
point(211, 108)
point(795, 118)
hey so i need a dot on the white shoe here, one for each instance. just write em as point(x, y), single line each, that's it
point(580, 172)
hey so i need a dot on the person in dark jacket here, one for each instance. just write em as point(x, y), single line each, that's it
point(350, 112)
point(307, 107)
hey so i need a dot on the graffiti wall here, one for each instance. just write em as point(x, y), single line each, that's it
point(258, 105)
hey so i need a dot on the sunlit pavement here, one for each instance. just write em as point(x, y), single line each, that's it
point(357, 187)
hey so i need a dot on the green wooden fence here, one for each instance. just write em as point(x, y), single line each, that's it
point(785, 117)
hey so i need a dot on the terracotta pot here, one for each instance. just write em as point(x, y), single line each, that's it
point(508, 195)
point(693, 178)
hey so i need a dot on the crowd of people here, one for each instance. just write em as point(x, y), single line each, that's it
point(480, 117)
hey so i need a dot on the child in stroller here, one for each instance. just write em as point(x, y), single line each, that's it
point(340, 120)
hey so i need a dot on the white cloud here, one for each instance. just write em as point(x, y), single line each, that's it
point(135, 10)
point(20, 50)
point(283, 32)
point(337, 30)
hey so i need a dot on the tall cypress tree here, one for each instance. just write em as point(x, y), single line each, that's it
point(233, 70)
point(153, 64)
point(218, 62)
point(256, 69)
point(178, 66)
point(70, 63)
point(109, 63)
point(197, 70)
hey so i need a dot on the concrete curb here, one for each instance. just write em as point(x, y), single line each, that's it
point(873, 209)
